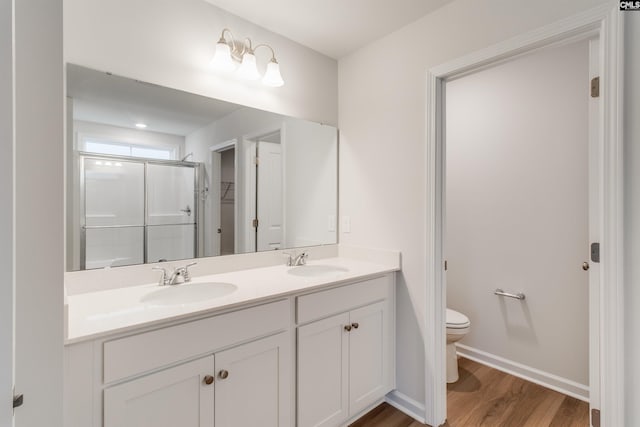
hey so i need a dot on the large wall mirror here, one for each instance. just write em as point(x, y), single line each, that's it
point(155, 174)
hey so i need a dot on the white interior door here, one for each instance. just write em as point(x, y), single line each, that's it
point(214, 201)
point(269, 209)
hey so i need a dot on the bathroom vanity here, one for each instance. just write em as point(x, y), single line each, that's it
point(272, 346)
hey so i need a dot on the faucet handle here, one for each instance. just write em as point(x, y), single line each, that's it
point(289, 258)
point(163, 277)
point(186, 273)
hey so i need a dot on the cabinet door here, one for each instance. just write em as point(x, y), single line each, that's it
point(253, 384)
point(367, 341)
point(173, 397)
point(323, 358)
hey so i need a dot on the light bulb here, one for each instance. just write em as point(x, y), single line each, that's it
point(272, 77)
point(248, 69)
point(222, 58)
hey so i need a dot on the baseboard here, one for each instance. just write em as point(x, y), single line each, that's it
point(545, 379)
point(405, 404)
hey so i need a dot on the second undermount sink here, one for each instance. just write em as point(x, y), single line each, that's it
point(188, 293)
point(317, 270)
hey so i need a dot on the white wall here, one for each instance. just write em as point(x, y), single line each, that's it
point(171, 43)
point(39, 206)
point(517, 208)
point(382, 139)
point(632, 217)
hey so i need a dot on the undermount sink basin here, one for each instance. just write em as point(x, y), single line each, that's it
point(188, 293)
point(318, 270)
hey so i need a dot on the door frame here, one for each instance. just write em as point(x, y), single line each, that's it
point(7, 212)
point(605, 23)
point(215, 180)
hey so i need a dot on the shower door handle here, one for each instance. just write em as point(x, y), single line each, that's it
point(187, 211)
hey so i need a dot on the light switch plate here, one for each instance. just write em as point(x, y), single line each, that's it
point(346, 224)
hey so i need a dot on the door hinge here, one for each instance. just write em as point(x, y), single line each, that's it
point(595, 252)
point(255, 223)
point(256, 160)
point(595, 417)
point(595, 87)
point(18, 400)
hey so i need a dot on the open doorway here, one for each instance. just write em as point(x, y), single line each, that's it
point(606, 324)
point(227, 201)
point(222, 198)
point(518, 229)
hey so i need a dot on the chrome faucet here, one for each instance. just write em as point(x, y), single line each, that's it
point(179, 275)
point(295, 261)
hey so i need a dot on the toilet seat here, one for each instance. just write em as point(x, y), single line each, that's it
point(457, 320)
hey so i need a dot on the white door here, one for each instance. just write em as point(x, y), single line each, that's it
point(323, 371)
point(253, 384)
point(178, 396)
point(269, 209)
point(366, 356)
point(214, 202)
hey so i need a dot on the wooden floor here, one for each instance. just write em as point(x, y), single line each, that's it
point(486, 397)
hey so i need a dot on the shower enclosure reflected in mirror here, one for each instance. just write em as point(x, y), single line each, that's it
point(155, 174)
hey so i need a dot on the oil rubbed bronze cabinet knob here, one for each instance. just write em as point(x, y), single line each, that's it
point(585, 266)
point(223, 374)
point(355, 325)
point(347, 328)
point(208, 380)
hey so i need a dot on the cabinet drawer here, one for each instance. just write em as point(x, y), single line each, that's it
point(151, 350)
point(326, 303)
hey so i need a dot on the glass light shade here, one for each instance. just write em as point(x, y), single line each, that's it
point(248, 69)
point(222, 58)
point(272, 77)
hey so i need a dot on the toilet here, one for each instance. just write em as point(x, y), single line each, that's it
point(458, 326)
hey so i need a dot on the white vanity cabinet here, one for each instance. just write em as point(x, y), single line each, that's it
point(325, 356)
point(345, 361)
point(228, 370)
point(178, 396)
point(247, 385)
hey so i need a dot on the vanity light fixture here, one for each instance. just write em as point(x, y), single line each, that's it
point(141, 125)
point(229, 52)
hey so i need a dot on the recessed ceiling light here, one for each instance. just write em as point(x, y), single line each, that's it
point(141, 125)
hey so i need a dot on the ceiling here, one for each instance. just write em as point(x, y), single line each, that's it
point(333, 27)
point(118, 101)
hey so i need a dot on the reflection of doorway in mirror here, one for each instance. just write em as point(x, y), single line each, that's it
point(222, 207)
point(227, 202)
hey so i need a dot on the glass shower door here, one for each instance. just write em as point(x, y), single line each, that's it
point(171, 212)
point(113, 219)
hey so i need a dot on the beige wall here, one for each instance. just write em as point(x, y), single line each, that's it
point(382, 134)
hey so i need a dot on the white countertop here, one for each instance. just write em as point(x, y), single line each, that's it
point(98, 314)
